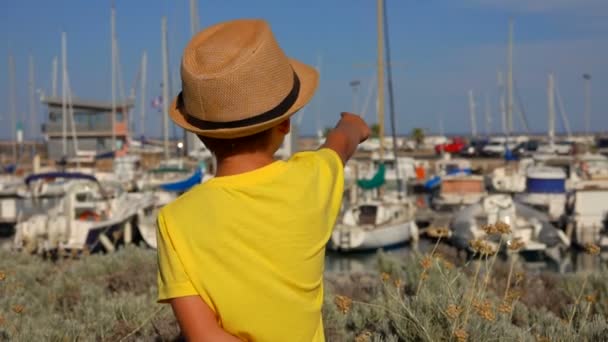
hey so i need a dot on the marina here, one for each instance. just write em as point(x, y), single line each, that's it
point(476, 210)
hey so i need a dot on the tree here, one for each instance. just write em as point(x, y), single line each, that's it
point(418, 136)
point(375, 128)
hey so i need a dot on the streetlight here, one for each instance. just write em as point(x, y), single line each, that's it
point(355, 85)
point(587, 78)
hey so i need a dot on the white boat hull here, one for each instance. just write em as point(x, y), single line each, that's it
point(348, 238)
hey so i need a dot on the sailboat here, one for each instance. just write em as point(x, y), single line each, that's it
point(527, 226)
point(383, 220)
point(89, 217)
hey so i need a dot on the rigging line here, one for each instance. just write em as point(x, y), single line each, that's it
point(370, 93)
point(391, 101)
point(520, 109)
point(562, 110)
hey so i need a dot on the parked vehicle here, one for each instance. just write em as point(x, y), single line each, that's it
point(602, 145)
point(498, 146)
point(474, 148)
point(526, 149)
point(559, 147)
point(454, 146)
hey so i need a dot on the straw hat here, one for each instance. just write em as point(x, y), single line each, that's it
point(236, 81)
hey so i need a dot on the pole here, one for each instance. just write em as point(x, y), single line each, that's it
point(113, 72)
point(54, 76)
point(194, 20)
point(32, 90)
point(165, 98)
point(190, 139)
point(391, 104)
point(144, 70)
point(510, 80)
point(13, 103)
point(503, 107)
point(380, 12)
point(64, 94)
point(488, 114)
point(587, 78)
point(551, 106)
point(472, 114)
point(355, 86)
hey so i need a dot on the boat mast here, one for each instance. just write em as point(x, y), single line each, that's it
point(472, 114)
point(190, 139)
point(488, 114)
point(113, 72)
point(165, 96)
point(64, 94)
point(503, 107)
point(144, 70)
point(380, 11)
point(510, 80)
point(391, 103)
point(551, 106)
point(54, 77)
point(32, 93)
point(13, 103)
point(587, 78)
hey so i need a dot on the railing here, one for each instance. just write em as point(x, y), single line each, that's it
point(57, 128)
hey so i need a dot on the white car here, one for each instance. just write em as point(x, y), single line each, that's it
point(498, 146)
point(560, 147)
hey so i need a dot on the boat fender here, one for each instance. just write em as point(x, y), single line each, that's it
point(106, 243)
point(128, 233)
point(89, 216)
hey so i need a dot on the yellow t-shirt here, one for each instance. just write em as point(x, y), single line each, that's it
point(252, 246)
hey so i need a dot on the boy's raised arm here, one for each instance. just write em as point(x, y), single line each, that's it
point(350, 131)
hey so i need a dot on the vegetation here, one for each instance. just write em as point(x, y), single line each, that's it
point(418, 136)
point(375, 129)
point(432, 297)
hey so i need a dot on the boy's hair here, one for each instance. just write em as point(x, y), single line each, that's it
point(227, 147)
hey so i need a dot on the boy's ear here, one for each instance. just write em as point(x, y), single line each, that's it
point(284, 127)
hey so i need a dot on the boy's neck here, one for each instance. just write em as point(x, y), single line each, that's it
point(242, 162)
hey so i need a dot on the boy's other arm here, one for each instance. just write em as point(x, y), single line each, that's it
point(197, 321)
point(350, 131)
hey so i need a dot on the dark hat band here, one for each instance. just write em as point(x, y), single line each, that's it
point(273, 113)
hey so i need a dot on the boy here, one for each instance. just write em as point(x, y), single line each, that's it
point(241, 256)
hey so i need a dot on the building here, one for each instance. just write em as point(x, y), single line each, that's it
point(92, 127)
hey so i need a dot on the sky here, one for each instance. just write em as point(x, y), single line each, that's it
point(440, 50)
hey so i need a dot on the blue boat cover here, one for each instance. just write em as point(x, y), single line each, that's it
point(546, 186)
point(53, 175)
point(186, 184)
point(451, 170)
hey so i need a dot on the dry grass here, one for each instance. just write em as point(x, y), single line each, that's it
point(435, 297)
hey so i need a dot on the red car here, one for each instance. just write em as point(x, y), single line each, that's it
point(454, 146)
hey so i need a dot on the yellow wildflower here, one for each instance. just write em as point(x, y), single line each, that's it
point(17, 308)
point(437, 232)
point(515, 244)
point(453, 311)
point(592, 249)
point(504, 307)
point(364, 336)
point(343, 303)
point(385, 277)
point(426, 262)
point(490, 229)
point(592, 298)
point(2, 276)
point(502, 227)
point(461, 335)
